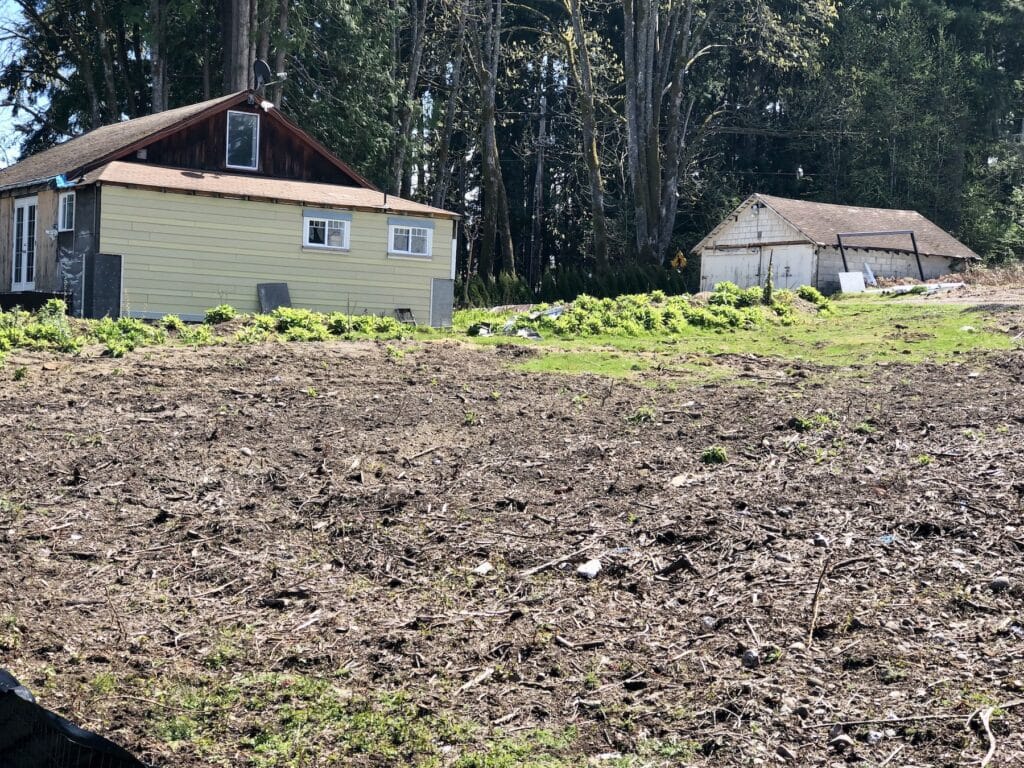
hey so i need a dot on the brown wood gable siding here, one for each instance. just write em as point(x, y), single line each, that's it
point(46, 248)
point(282, 153)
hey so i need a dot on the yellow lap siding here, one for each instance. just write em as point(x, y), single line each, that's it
point(185, 253)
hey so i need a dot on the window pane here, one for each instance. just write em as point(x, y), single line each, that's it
point(336, 234)
point(19, 238)
point(67, 220)
point(401, 239)
point(30, 250)
point(242, 129)
point(317, 232)
point(419, 241)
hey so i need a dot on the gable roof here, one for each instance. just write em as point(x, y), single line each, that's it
point(86, 150)
point(258, 187)
point(111, 142)
point(820, 223)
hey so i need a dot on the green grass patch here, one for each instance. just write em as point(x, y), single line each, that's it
point(862, 331)
point(601, 363)
point(277, 719)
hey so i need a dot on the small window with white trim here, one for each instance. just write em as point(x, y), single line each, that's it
point(66, 216)
point(243, 140)
point(409, 240)
point(326, 229)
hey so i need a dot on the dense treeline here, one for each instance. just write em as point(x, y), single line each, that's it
point(588, 142)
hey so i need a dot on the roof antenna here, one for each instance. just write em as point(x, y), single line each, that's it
point(262, 74)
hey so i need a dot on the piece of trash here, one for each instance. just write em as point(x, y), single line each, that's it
point(479, 329)
point(483, 569)
point(589, 569)
point(751, 658)
point(528, 333)
point(820, 541)
point(887, 539)
point(967, 329)
point(552, 312)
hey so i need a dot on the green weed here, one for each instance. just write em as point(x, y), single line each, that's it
point(716, 454)
point(220, 314)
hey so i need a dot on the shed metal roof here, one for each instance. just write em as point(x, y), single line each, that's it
point(820, 223)
point(258, 187)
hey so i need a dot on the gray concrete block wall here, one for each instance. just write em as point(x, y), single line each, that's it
point(887, 264)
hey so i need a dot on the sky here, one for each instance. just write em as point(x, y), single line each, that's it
point(8, 137)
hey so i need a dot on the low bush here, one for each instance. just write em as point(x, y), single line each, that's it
point(220, 314)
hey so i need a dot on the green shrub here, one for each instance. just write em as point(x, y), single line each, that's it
point(126, 334)
point(252, 334)
point(812, 294)
point(172, 323)
point(220, 314)
point(714, 455)
point(339, 323)
point(198, 335)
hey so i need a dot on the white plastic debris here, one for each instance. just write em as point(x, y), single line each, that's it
point(589, 569)
point(483, 569)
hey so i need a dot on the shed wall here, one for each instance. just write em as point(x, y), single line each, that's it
point(792, 266)
point(754, 225)
point(46, 248)
point(186, 253)
point(888, 264)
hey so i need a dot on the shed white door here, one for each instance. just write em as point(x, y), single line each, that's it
point(792, 265)
point(23, 272)
point(735, 266)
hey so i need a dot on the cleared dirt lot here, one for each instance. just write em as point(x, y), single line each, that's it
point(192, 539)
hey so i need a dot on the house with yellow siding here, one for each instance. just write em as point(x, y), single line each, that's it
point(179, 211)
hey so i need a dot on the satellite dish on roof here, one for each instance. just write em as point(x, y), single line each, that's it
point(261, 73)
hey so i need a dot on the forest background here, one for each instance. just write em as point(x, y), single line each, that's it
point(588, 143)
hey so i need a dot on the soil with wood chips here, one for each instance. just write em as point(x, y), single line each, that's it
point(847, 586)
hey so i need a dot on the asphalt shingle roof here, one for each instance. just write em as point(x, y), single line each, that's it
point(821, 222)
point(94, 146)
point(259, 187)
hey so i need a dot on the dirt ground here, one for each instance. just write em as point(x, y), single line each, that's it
point(830, 594)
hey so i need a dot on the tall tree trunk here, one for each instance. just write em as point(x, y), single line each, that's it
point(158, 48)
point(495, 204)
point(406, 107)
point(579, 60)
point(237, 33)
point(660, 46)
point(537, 218)
point(443, 174)
point(131, 85)
point(112, 105)
point(280, 49)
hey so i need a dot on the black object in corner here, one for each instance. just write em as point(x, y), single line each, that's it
point(32, 737)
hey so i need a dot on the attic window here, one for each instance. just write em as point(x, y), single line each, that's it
point(66, 212)
point(243, 140)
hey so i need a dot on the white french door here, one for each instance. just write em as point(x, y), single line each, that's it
point(23, 272)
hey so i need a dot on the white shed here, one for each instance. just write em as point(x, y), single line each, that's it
point(811, 243)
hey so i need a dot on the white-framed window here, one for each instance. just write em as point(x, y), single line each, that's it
point(326, 229)
point(243, 140)
point(66, 212)
point(410, 239)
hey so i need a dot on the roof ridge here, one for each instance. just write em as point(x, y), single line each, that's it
point(841, 205)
